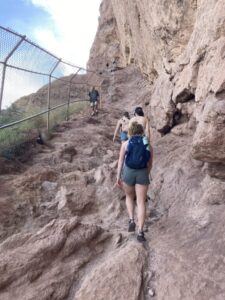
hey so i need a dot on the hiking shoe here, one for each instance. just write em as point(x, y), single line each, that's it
point(141, 237)
point(131, 226)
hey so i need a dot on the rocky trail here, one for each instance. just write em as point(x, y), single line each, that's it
point(64, 224)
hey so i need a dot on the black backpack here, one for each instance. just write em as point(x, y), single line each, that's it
point(138, 153)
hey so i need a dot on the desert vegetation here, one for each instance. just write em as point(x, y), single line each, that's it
point(13, 137)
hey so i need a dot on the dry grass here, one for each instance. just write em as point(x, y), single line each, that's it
point(11, 138)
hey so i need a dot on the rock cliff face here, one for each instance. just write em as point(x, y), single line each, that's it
point(179, 46)
point(150, 34)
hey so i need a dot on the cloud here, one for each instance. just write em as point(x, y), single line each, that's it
point(18, 84)
point(71, 28)
point(68, 33)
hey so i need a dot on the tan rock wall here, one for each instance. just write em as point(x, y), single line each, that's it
point(107, 45)
point(180, 46)
point(152, 35)
point(149, 33)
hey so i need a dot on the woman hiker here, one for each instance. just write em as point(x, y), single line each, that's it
point(141, 119)
point(134, 166)
point(122, 126)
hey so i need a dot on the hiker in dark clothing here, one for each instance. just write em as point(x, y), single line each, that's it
point(134, 165)
point(94, 99)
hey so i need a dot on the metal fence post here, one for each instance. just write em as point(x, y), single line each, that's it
point(68, 104)
point(4, 69)
point(49, 92)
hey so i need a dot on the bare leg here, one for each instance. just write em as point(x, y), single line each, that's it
point(141, 193)
point(96, 107)
point(92, 109)
point(130, 193)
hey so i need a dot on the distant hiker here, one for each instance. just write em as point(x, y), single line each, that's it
point(134, 165)
point(141, 119)
point(122, 126)
point(94, 99)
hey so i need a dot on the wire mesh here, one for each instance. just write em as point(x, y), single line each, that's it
point(1, 70)
point(36, 85)
point(29, 57)
point(15, 140)
point(7, 42)
point(64, 69)
point(20, 86)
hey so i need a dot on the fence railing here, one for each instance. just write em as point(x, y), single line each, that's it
point(51, 84)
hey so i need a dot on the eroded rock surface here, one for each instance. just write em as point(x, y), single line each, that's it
point(61, 217)
point(126, 264)
point(66, 237)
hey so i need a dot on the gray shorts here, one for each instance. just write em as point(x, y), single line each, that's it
point(134, 176)
point(93, 103)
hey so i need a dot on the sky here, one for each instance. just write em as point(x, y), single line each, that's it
point(66, 28)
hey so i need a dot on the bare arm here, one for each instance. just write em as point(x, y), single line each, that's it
point(120, 162)
point(116, 130)
point(151, 159)
point(147, 129)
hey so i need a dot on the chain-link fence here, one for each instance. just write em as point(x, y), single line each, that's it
point(37, 90)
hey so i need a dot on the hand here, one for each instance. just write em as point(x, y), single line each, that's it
point(119, 183)
point(150, 176)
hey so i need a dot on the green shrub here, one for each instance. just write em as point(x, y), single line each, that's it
point(11, 138)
